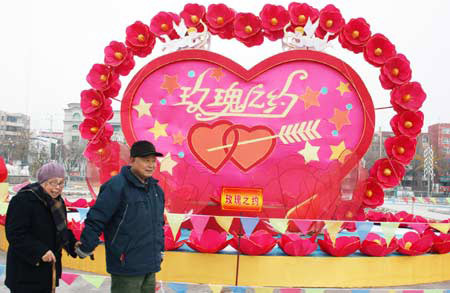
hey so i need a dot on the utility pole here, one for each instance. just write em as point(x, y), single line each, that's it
point(428, 171)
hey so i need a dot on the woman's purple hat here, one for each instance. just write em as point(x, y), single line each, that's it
point(49, 171)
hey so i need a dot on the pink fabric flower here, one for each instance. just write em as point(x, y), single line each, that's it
point(115, 53)
point(192, 14)
point(344, 245)
point(355, 35)
point(396, 71)
point(300, 13)
point(331, 21)
point(211, 241)
point(388, 173)
point(274, 18)
point(401, 148)
point(294, 245)
point(441, 243)
point(101, 77)
point(378, 50)
point(91, 128)
point(414, 244)
point(375, 245)
point(407, 123)
point(248, 29)
point(163, 24)
point(408, 97)
point(220, 20)
point(373, 195)
point(139, 39)
point(259, 243)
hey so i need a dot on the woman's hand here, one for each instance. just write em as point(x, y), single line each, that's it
point(49, 257)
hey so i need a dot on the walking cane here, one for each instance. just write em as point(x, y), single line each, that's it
point(53, 276)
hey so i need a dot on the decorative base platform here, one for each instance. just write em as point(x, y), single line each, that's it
point(285, 271)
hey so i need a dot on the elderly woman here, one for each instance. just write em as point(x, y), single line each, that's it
point(36, 229)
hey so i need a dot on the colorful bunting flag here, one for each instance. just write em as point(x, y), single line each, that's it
point(333, 227)
point(280, 225)
point(178, 287)
point(224, 222)
point(421, 200)
point(313, 290)
point(249, 225)
point(290, 290)
point(389, 229)
point(68, 278)
point(442, 227)
point(433, 200)
point(303, 225)
point(3, 208)
point(239, 289)
point(199, 223)
point(94, 280)
point(4, 187)
point(83, 213)
point(419, 227)
point(263, 290)
point(215, 288)
point(363, 229)
point(448, 199)
point(405, 199)
point(2, 269)
point(175, 221)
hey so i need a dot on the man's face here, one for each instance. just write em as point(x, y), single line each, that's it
point(143, 166)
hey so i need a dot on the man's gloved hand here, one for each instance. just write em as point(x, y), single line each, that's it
point(80, 253)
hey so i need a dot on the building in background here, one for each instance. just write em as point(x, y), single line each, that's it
point(440, 143)
point(14, 136)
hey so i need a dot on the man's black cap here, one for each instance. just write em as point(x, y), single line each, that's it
point(143, 148)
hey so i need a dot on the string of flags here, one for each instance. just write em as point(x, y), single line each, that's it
point(173, 287)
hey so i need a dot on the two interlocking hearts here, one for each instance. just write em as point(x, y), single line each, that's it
point(214, 145)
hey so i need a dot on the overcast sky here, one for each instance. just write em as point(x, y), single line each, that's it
point(48, 47)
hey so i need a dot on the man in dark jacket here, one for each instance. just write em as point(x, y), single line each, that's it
point(130, 211)
point(36, 229)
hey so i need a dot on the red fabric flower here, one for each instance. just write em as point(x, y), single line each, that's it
point(274, 18)
point(113, 90)
point(91, 101)
point(409, 96)
point(102, 152)
point(192, 14)
point(2, 220)
point(126, 66)
point(294, 245)
point(3, 170)
point(378, 50)
point(441, 243)
point(259, 243)
point(355, 35)
point(211, 241)
point(248, 29)
point(139, 39)
point(373, 195)
point(220, 20)
point(407, 123)
point(375, 245)
point(344, 245)
point(163, 24)
point(300, 13)
point(401, 148)
point(331, 21)
point(403, 217)
point(101, 77)
point(169, 242)
point(115, 53)
point(91, 128)
point(76, 227)
point(414, 244)
point(109, 170)
point(388, 172)
point(396, 71)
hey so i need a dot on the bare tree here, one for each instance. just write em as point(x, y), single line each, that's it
point(38, 156)
point(16, 147)
point(73, 159)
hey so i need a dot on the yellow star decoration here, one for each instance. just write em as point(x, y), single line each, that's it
point(159, 129)
point(178, 138)
point(167, 164)
point(143, 108)
point(343, 88)
point(339, 152)
point(310, 152)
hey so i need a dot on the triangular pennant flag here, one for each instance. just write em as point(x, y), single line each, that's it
point(433, 200)
point(421, 200)
point(427, 200)
point(249, 225)
point(405, 199)
point(419, 227)
point(448, 199)
point(216, 288)
point(290, 290)
point(68, 278)
point(199, 223)
point(178, 287)
point(303, 225)
point(433, 291)
point(313, 290)
point(363, 229)
point(360, 291)
point(175, 221)
point(2, 269)
point(224, 222)
point(239, 289)
point(442, 227)
point(263, 290)
point(4, 187)
point(389, 229)
point(96, 281)
point(83, 213)
point(3, 208)
point(333, 227)
point(279, 224)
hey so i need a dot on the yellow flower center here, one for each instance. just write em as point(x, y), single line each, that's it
point(408, 245)
point(369, 193)
point(349, 214)
point(192, 30)
point(114, 173)
point(248, 29)
point(329, 23)
point(408, 124)
point(194, 18)
point(401, 150)
point(94, 129)
point(355, 34)
point(395, 71)
point(378, 51)
point(377, 241)
point(95, 103)
point(118, 56)
point(301, 18)
point(141, 38)
point(103, 77)
point(387, 172)
point(406, 98)
point(220, 20)
point(164, 27)
point(300, 30)
point(274, 21)
point(100, 151)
